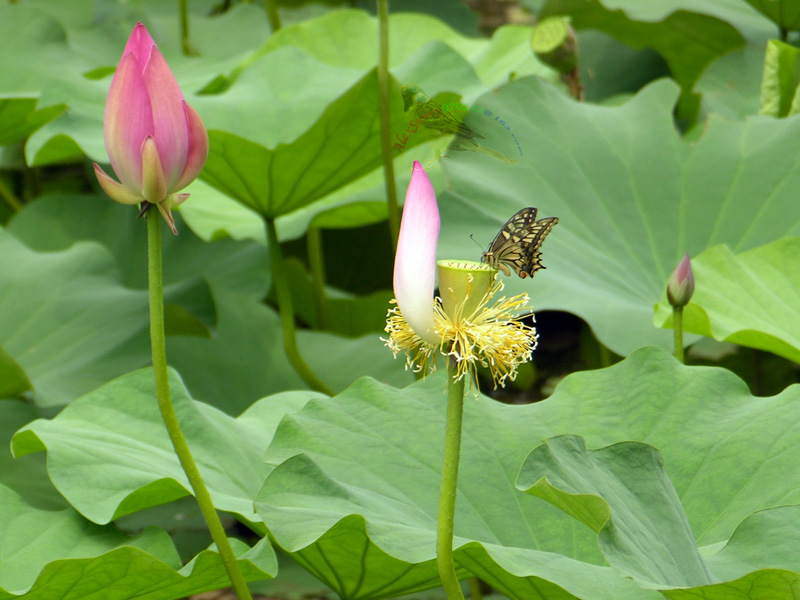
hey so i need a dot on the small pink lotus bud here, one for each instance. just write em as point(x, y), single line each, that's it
point(155, 141)
point(681, 284)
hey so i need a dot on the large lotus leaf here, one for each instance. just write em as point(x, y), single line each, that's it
point(609, 69)
point(268, 103)
point(688, 41)
point(349, 38)
point(784, 13)
point(763, 541)
point(731, 85)
point(26, 476)
point(76, 132)
point(242, 362)
point(40, 49)
point(58, 554)
point(369, 531)
point(109, 453)
point(55, 222)
point(345, 314)
point(361, 202)
point(342, 145)
point(214, 216)
point(631, 195)
point(748, 299)
point(98, 29)
point(726, 452)
point(623, 493)
point(66, 319)
point(245, 360)
point(19, 118)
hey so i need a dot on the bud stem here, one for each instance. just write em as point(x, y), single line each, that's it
point(186, 44)
point(447, 494)
point(286, 311)
point(271, 7)
point(475, 592)
point(677, 325)
point(5, 192)
point(384, 112)
point(158, 346)
point(316, 265)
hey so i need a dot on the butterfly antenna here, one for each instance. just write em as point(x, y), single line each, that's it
point(476, 241)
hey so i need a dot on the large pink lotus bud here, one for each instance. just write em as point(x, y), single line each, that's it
point(415, 259)
point(155, 141)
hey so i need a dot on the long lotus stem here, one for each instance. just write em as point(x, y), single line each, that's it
point(317, 267)
point(158, 345)
point(386, 120)
point(186, 44)
point(475, 592)
point(447, 494)
point(677, 324)
point(286, 310)
point(272, 14)
point(5, 192)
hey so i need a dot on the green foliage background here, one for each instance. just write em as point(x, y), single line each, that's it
point(645, 479)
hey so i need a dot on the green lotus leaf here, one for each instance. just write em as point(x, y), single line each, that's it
point(58, 554)
point(109, 453)
point(335, 506)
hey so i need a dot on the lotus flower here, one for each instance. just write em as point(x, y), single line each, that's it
point(681, 284)
point(463, 325)
point(155, 141)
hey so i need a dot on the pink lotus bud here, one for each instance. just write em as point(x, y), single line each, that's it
point(155, 141)
point(415, 260)
point(681, 284)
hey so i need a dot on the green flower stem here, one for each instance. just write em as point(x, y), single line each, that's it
point(9, 197)
point(475, 592)
point(447, 494)
point(186, 45)
point(317, 266)
point(386, 119)
point(158, 345)
point(677, 325)
point(286, 310)
point(272, 14)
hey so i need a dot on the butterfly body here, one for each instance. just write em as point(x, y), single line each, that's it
point(518, 244)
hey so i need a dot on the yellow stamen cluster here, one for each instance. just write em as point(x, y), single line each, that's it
point(493, 337)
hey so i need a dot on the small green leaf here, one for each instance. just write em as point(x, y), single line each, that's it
point(781, 76)
point(13, 380)
point(19, 118)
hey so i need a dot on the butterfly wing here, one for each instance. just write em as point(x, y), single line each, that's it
point(518, 244)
